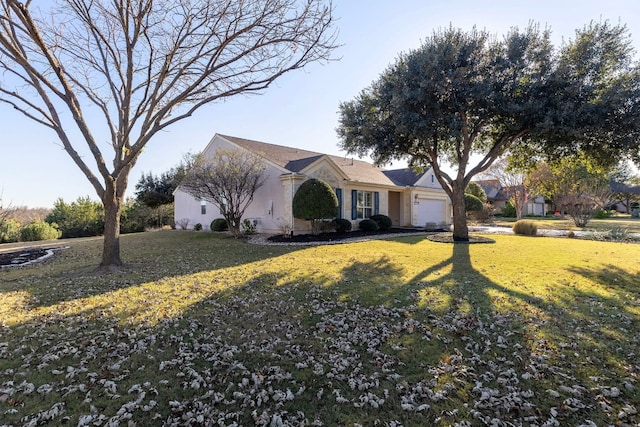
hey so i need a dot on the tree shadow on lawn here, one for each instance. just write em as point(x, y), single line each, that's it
point(149, 257)
point(316, 345)
point(536, 334)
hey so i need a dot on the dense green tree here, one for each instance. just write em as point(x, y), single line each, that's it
point(107, 76)
point(154, 191)
point(315, 200)
point(82, 218)
point(476, 190)
point(472, 203)
point(462, 94)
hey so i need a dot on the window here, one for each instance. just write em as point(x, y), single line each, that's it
point(203, 207)
point(364, 207)
point(364, 204)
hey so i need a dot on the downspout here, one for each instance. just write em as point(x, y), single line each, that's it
point(291, 207)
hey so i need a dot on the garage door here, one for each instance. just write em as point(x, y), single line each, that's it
point(431, 210)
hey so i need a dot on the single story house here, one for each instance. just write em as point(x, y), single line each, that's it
point(498, 196)
point(363, 189)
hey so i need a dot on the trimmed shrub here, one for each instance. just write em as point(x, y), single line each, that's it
point(219, 224)
point(314, 200)
point(9, 231)
point(197, 227)
point(342, 225)
point(476, 189)
point(472, 203)
point(383, 221)
point(39, 230)
point(525, 228)
point(368, 225)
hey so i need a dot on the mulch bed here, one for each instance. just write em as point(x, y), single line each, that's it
point(442, 237)
point(448, 238)
point(21, 256)
point(336, 237)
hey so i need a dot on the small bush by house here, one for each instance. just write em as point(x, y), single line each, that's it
point(383, 221)
point(368, 225)
point(342, 225)
point(219, 224)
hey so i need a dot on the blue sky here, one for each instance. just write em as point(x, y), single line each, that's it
point(300, 109)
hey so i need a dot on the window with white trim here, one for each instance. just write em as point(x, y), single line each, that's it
point(364, 207)
point(203, 207)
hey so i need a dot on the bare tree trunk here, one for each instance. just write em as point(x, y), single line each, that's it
point(111, 247)
point(460, 227)
point(112, 200)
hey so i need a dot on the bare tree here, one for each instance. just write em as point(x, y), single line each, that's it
point(131, 69)
point(5, 211)
point(577, 186)
point(512, 181)
point(228, 179)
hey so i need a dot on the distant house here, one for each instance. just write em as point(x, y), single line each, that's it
point(498, 196)
point(363, 189)
point(625, 196)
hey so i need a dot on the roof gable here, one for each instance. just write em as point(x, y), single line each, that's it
point(296, 160)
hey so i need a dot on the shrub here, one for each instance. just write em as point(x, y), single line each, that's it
point(571, 234)
point(9, 231)
point(342, 225)
point(472, 203)
point(82, 218)
point(368, 225)
point(183, 223)
point(219, 224)
point(314, 200)
point(39, 230)
point(484, 214)
point(476, 189)
point(525, 228)
point(383, 221)
point(509, 210)
point(248, 227)
point(197, 227)
point(135, 217)
point(602, 214)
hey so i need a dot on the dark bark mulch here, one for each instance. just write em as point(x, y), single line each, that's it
point(336, 237)
point(21, 256)
point(448, 238)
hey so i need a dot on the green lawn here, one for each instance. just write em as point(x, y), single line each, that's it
point(200, 329)
point(620, 221)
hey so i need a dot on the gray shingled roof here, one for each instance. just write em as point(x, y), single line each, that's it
point(296, 159)
point(403, 177)
point(493, 189)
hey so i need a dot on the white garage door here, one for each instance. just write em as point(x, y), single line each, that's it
point(431, 210)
